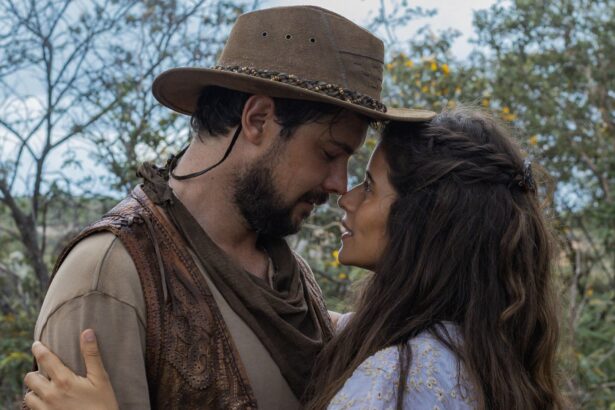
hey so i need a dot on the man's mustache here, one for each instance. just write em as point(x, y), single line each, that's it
point(315, 197)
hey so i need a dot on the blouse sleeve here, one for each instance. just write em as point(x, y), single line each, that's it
point(432, 381)
point(373, 385)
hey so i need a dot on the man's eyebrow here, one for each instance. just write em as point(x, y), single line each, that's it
point(347, 148)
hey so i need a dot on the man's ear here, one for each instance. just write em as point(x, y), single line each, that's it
point(258, 111)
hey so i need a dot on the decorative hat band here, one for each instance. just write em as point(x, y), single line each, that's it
point(321, 87)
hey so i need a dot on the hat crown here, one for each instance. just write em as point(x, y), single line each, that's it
point(310, 43)
point(302, 52)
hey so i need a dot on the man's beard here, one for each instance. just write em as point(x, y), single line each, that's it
point(262, 205)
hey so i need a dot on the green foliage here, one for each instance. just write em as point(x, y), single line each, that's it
point(15, 358)
point(551, 63)
point(595, 341)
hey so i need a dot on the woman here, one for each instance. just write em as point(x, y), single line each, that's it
point(459, 312)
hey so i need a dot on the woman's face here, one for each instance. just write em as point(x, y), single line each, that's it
point(367, 208)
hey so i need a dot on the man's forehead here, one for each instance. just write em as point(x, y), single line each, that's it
point(348, 138)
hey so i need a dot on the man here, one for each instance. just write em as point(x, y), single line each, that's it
point(196, 299)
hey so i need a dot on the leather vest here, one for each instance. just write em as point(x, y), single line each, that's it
point(191, 360)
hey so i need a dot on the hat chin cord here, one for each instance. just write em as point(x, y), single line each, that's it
point(173, 162)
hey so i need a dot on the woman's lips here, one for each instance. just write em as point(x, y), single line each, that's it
point(346, 231)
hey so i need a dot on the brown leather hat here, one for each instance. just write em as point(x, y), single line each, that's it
point(301, 52)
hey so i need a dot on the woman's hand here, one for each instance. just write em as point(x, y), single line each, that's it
point(66, 390)
point(334, 317)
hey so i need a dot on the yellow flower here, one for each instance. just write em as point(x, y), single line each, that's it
point(505, 110)
point(342, 276)
point(485, 102)
point(434, 66)
point(445, 69)
point(424, 89)
point(409, 64)
point(335, 262)
point(390, 66)
point(533, 140)
point(509, 116)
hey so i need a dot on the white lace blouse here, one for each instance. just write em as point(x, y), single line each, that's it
point(432, 383)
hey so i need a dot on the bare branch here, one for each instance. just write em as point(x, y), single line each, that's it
point(24, 142)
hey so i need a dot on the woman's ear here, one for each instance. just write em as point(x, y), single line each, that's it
point(257, 111)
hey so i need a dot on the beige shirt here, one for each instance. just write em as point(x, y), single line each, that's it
point(98, 287)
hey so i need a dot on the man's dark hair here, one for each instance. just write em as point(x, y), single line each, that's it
point(219, 109)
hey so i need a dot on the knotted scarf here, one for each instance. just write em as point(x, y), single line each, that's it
point(284, 317)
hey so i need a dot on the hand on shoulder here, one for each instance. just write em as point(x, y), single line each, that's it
point(63, 389)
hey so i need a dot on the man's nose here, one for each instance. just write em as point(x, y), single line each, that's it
point(337, 180)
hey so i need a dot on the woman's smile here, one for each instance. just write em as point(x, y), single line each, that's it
point(346, 231)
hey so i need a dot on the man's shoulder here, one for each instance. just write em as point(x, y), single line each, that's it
point(98, 263)
point(96, 286)
point(91, 260)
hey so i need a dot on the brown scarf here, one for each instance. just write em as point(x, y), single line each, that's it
point(284, 317)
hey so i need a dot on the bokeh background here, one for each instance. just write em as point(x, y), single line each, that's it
point(77, 116)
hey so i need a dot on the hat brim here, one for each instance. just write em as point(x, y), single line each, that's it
point(179, 90)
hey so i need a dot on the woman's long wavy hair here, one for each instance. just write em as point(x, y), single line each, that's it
point(468, 244)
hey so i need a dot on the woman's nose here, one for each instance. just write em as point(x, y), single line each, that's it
point(347, 200)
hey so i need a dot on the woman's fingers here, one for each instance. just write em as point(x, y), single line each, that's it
point(66, 390)
point(38, 383)
point(50, 364)
point(34, 402)
point(91, 356)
